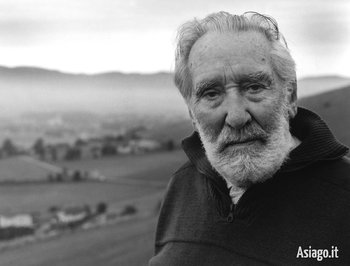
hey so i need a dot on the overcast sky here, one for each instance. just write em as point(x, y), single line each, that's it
point(93, 36)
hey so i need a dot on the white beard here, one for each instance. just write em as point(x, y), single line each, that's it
point(246, 164)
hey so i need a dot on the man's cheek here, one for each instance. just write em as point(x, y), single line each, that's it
point(210, 123)
point(266, 113)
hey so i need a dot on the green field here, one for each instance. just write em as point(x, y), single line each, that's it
point(150, 167)
point(137, 180)
point(129, 178)
point(40, 197)
point(129, 243)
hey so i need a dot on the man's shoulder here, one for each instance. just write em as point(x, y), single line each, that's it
point(186, 167)
point(337, 173)
point(184, 173)
point(185, 178)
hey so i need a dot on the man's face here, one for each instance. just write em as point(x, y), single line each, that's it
point(239, 106)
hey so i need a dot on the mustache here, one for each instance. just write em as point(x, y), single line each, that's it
point(251, 132)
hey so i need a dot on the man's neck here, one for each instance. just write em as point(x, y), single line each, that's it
point(235, 192)
point(295, 142)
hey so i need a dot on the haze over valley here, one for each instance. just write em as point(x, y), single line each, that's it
point(60, 106)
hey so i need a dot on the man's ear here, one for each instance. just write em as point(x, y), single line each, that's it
point(192, 119)
point(292, 98)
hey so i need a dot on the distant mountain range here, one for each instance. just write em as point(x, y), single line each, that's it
point(39, 77)
point(24, 89)
point(33, 77)
point(117, 101)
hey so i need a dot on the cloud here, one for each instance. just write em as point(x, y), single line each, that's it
point(22, 32)
point(138, 35)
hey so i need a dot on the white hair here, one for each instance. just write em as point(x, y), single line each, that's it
point(282, 62)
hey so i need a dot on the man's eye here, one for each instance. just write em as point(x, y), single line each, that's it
point(255, 88)
point(211, 94)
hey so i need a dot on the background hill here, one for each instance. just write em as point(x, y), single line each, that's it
point(34, 77)
point(62, 106)
point(24, 89)
point(334, 108)
point(27, 78)
point(309, 86)
point(39, 90)
point(25, 168)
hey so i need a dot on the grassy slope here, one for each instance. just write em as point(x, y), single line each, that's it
point(39, 197)
point(151, 167)
point(175, 131)
point(25, 168)
point(130, 177)
point(334, 108)
point(128, 243)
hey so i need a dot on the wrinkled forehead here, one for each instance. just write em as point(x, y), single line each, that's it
point(230, 53)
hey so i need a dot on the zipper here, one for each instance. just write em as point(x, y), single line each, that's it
point(231, 213)
point(226, 199)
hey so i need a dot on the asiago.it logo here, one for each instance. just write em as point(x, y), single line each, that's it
point(318, 254)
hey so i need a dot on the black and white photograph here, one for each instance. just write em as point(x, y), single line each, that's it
point(174, 133)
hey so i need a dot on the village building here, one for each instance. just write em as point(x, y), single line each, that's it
point(16, 226)
point(144, 145)
point(71, 216)
point(19, 220)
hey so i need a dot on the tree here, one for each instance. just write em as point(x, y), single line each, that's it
point(108, 150)
point(9, 148)
point(39, 148)
point(77, 176)
point(101, 208)
point(73, 154)
point(54, 209)
point(79, 142)
point(59, 177)
point(129, 210)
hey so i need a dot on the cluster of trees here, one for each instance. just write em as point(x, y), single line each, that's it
point(66, 175)
point(14, 231)
point(72, 152)
point(40, 149)
point(8, 148)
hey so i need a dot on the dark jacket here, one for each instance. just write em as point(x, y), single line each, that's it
point(305, 205)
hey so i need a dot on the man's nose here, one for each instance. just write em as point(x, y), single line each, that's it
point(237, 114)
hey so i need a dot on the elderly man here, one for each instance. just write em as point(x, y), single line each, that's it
point(266, 182)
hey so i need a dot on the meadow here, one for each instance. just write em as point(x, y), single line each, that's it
point(128, 178)
point(129, 243)
point(136, 180)
point(25, 198)
point(144, 167)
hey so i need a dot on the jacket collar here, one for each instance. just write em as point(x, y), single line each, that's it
point(317, 144)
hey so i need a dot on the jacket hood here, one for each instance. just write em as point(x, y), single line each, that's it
point(317, 144)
